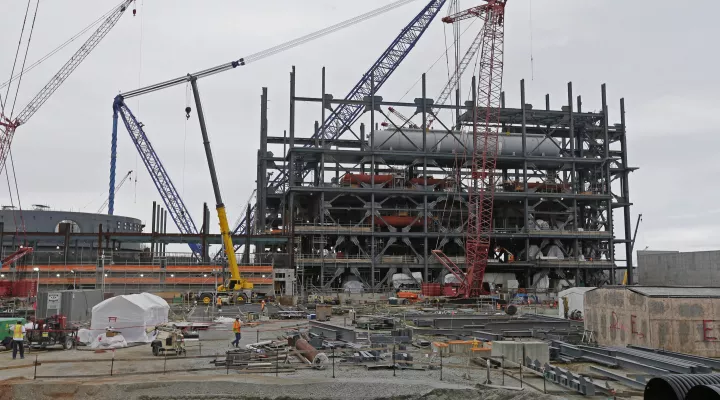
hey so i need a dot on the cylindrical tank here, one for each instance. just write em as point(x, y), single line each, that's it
point(509, 144)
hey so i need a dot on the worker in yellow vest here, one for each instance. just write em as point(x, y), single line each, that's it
point(262, 307)
point(18, 338)
point(236, 331)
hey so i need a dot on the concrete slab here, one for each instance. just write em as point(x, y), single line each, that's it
point(539, 351)
point(511, 351)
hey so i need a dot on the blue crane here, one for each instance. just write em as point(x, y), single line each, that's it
point(160, 177)
point(176, 207)
point(345, 115)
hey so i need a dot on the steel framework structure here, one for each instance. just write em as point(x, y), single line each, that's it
point(382, 203)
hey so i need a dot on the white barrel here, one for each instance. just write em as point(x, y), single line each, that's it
point(508, 145)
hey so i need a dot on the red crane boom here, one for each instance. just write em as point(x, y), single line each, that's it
point(486, 122)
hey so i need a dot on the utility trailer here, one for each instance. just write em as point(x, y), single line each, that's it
point(52, 331)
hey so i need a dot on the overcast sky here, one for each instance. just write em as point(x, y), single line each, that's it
point(658, 54)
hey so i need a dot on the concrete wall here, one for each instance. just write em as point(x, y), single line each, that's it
point(620, 317)
point(672, 268)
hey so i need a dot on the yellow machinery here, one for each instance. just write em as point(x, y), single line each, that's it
point(235, 283)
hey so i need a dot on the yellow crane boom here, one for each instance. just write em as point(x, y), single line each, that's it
point(236, 282)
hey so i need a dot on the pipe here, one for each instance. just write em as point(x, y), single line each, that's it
point(307, 349)
point(677, 386)
point(704, 392)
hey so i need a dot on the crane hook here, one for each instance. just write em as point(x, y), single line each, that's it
point(187, 112)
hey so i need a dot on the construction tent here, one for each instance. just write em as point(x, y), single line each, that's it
point(130, 314)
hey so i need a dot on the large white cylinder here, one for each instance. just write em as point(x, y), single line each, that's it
point(508, 145)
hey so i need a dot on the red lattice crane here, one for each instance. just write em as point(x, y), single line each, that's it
point(486, 123)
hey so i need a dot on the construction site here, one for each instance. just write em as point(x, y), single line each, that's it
point(434, 245)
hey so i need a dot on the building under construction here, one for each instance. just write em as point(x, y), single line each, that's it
point(361, 205)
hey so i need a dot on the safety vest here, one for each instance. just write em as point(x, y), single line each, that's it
point(219, 301)
point(262, 305)
point(17, 332)
point(236, 326)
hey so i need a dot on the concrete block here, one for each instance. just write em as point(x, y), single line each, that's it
point(512, 351)
point(539, 351)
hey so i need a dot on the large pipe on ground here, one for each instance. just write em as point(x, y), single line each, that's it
point(317, 358)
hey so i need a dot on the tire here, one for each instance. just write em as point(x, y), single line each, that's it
point(156, 351)
point(206, 299)
point(69, 344)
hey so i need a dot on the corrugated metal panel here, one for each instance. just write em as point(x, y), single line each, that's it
point(76, 305)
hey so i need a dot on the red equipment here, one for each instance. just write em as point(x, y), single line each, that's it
point(485, 148)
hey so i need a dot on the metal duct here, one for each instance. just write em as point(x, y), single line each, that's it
point(439, 141)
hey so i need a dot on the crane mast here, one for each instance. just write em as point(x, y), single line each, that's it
point(236, 282)
point(486, 119)
point(10, 124)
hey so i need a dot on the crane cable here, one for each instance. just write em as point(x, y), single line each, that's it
point(17, 52)
point(60, 47)
point(27, 49)
point(140, 62)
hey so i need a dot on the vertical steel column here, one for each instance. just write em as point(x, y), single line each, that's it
point(163, 227)
point(581, 173)
point(321, 209)
point(626, 195)
point(246, 252)
point(457, 107)
point(573, 178)
point(291, 173)
point(425, 174)
point(526, 214)
point(372, 180)
point(203, 234)
point(113, 161)
point(261, 192)
point(152, 230)
point(608, 184)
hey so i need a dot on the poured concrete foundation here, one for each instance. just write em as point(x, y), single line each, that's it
point(675, 319)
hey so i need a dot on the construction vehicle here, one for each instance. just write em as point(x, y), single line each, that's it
point(407, 297)
point(167, 339)
point(52, 331)
point(487, 92)
point(235, 283)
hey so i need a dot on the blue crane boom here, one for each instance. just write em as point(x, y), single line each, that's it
point(160, 177)
point(345, 115)
point(168, 192)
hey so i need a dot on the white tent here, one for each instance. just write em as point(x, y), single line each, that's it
point(130, 314)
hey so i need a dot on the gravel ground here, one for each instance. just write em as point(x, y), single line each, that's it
point(351, 381)
point(256, 388)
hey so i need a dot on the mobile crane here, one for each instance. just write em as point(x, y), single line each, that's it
point(235, 282)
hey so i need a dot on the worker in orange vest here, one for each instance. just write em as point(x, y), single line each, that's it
point(262, 307)
point(236, 331)
point(219, 303)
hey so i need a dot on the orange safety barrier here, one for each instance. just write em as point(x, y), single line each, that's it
point(67, 281)
point(134, 281)
point(57, 268)
point(211, 280)
point(266, 269)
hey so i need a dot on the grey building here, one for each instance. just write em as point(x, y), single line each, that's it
point(674, 268)
point(41, 219)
